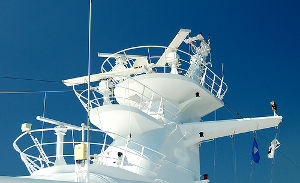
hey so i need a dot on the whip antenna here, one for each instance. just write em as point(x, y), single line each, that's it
point(89, 96)
point(208, 42)
point(82, 150)
point(89, 70)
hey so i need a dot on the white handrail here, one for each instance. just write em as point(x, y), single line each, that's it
point(30, 159)
point(98, 101)
point(218, 92)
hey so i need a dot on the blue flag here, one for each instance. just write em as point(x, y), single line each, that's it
point(255, 153)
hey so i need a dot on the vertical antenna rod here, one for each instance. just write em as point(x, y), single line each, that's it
point(89, 70)
point(89, 88)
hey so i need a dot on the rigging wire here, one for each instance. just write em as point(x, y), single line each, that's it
point(234, 112)
point(29, 79)
point(230, 109)
point(215, 149)
point(234, 157)
point(44, 110)
point(252, 162)
point(149, 56)
point(89, 68)
point(251, 172)
point(288, 158)
point(89, 91)
point(284, 154)
point(73, 142)
point(35, 92)
point(45, 97)
point(280, 151)
point(272, 168)
point(273, 160)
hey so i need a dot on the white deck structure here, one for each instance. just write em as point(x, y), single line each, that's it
point(146, 105)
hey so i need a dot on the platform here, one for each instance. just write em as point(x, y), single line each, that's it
point(123, 120)
point(192, 99)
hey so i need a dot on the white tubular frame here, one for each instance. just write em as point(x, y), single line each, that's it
point(144, 104)
point(211, 81)
point(34, 162)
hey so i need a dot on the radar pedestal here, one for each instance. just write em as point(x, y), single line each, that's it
point(60, 132)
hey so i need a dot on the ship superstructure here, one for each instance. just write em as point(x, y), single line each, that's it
point(147, 104)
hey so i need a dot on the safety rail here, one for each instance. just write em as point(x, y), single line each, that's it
point(32, 156)
point(143, 99)
point(205, 77)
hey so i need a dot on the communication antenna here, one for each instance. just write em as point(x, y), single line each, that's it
point(222, 71)
point(208, 42)
point(82, 151)
point(89, 92)
point(89, 71)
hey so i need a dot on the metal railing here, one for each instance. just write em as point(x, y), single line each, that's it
point(39, 155)
point(144, 99)
point(205, 77)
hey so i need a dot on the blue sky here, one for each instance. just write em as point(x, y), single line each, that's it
point(258, 42)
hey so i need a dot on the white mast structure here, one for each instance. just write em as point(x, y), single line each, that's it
point(151, 109)
point(82, 151)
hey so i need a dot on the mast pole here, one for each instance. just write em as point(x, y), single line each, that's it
point(89, 91)
point(89, 71)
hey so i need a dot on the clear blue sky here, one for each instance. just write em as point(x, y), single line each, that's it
point(258, 42)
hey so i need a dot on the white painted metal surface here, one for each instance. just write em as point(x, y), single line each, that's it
point(170, 52)
point(217, 129)
point(147, 110)
point(123, 120)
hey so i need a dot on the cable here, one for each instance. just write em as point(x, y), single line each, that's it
point(279, 150)
point(44, 110)
point(273, 159)
point(272, 168)
point(290, 159)
point(232, 111)
point(33, 92)
point(284, 154)
point(252, 161)
point(29, 79)
point(251, 172)
point(215, 149)
point(234, 158)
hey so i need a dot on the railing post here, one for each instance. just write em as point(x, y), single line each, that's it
point(126, 146)
point(203, 77)
point(212, 86)
point(150, 103)
point(220, 89)
point(142, 152)
point(159, 108)
point(40, 149)
point(104, 144)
